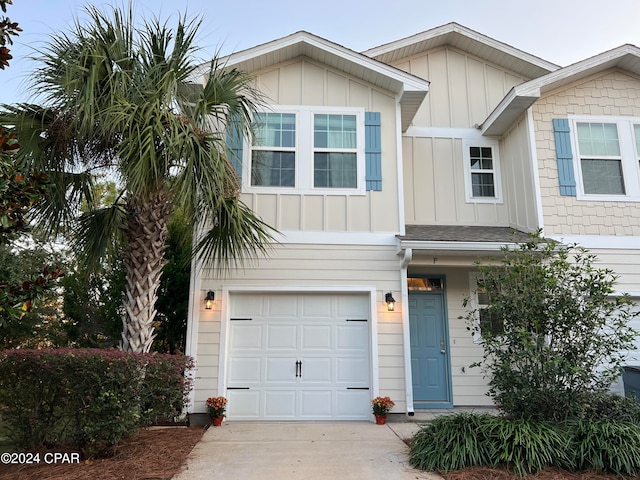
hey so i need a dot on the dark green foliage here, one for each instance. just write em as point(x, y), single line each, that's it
point(84, 398)
point(606, 406)
point(563, 330)
point(526, 446)
point(451, 443)
point(612, 447)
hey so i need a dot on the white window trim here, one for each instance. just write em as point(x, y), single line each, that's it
point(497, 182)
point(304, 153)
point(629, 163)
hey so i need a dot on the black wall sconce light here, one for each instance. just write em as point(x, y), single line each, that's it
point(209, 300)
point(390, 301)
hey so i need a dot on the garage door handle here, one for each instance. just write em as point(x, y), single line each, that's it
point(298, 368)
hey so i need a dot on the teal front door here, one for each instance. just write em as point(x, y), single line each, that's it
point(429, 350)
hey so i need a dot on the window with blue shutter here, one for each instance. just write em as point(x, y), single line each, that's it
point(373, 151)
point(564, 156)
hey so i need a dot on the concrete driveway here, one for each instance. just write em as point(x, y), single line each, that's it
point(289, 451)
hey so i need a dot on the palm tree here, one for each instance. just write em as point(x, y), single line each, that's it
point(119, 100)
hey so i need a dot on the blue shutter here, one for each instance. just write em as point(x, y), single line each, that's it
point(373, 150)
point(564, 157)
point(235, 138)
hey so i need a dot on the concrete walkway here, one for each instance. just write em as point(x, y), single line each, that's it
point(322, 450)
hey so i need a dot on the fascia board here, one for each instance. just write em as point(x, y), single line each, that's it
point(471, 247)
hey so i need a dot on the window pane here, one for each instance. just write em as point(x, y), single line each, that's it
point(482, 185)
point(636, 131)
point(334, 170)
point(275, 130)
point(490, 324)
point(334, 131)
point(602, 177)
point(273, 169)
point(598, 139)
point(481, 158)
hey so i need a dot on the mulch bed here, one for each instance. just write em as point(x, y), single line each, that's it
point(486, 473)
point(154, 454)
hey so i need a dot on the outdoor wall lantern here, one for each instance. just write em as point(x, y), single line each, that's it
point(390, 301)
point(209, 299)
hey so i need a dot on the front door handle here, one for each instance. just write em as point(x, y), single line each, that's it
point(443, 351)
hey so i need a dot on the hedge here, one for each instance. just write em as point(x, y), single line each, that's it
point(88, 399)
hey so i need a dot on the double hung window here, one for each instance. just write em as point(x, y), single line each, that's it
point(607, 156)
point(482, 171)
point(308, 149)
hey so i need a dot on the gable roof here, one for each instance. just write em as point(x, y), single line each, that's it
point(410, 89)
point(468, 40)
point(521, 97)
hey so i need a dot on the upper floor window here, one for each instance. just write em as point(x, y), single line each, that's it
point(273, 157)
point(482, 171)
point(307, 149)
point(607, 157)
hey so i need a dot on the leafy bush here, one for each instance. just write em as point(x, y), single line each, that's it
point(525, 445)
point(608, 446)
point(86, 398)
point(561, 333)
point(598, 406)
point(458, 441)
point(451, 443)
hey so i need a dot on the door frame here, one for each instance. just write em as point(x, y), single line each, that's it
point(445, 324)
point(228, 290)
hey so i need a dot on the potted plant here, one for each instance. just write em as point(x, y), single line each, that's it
point(381, 406)
point(216, 407)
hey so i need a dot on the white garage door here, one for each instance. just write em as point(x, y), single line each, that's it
point(298, 357)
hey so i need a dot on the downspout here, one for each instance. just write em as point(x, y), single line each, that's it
point(404, 265)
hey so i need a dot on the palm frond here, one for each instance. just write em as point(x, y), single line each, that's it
point(237, 238)
point(98, 233)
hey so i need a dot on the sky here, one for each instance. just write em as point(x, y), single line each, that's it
point(559, 31)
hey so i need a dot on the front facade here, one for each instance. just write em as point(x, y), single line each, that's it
point(388, 173)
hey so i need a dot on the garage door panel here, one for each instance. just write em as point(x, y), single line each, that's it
point(316, 370)
point(245, 336)
point(245, 370)
point(316, 307)
point(316, 403)
point(352, 306)
point(316, 337)
point(352, 371)
point(248, 305)
point(243, 404)
point(351, 403)
point(282, 306)
point(282, 337)
point(280, 370)
point(353, 336)
point(280, 404)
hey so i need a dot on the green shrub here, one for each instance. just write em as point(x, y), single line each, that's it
point(86, 398)
point(526, 445)
point(596, 406)
point(451, 443)
point(608, 446)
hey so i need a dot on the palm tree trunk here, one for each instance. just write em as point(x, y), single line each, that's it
point(146, 232)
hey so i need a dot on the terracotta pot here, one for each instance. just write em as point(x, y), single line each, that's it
point(381, 419)
point(217, 421)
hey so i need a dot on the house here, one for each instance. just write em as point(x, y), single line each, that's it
point(388, 174)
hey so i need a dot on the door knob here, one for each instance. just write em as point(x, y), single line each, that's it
point(443, 351)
